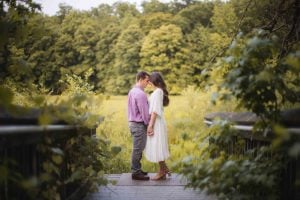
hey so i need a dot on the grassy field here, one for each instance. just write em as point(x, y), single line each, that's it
point(185, 125)
point(184, 117)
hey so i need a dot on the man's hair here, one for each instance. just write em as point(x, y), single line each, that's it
point(141, 75)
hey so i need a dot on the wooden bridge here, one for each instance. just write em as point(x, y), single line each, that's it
point(124, 188)
point(19, 139)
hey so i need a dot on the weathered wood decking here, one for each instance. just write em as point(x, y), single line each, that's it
point(126, 189)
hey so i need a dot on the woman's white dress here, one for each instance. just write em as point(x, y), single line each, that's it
point(157, 148)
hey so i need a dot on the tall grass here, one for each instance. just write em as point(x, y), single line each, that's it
point(184, 118)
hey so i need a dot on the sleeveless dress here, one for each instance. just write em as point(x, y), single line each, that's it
point(157, 148)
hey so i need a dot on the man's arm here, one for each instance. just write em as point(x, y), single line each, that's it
point(143, 107)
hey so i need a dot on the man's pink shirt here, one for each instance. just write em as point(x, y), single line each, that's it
point(138, 107)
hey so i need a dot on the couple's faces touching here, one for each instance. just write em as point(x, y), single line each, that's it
point(145, 82)
point(148, 82)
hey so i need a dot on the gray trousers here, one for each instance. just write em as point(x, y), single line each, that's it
point(139, 138)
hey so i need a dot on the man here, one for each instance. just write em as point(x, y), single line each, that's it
point(138, 117)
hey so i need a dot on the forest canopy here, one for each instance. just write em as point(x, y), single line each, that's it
point(108, 44)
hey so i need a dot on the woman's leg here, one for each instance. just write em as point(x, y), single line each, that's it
point(161, 175)
point(165, 168)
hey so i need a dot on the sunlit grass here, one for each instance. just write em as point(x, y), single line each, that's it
point(184, 118)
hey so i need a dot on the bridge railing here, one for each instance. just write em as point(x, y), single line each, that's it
point(243, 123)
point(20, 152)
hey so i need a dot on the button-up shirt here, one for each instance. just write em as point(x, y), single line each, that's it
point(138, 107)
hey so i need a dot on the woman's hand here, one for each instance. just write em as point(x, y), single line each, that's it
point(151, 124)
point(150, 130)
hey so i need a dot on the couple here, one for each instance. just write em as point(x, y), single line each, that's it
point(147, 125)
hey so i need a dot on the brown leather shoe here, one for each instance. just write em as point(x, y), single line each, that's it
point(140, 176)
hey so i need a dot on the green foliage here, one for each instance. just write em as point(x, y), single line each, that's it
point(127, 60)
point(263, 76)
point(105, 56)
point(261, 81)
point(161, 52)
point(153, 21)
point(82, 155)
point(14, 15)
point(77, 104)
point(203, 44)
point(6, 97)
point(195, 15)
point(13, 19)
point(224, 18)
point(233, 173)
point(154, 6)
point(103, 39)
point(125, 9)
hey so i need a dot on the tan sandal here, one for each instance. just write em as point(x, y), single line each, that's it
point(159, 176)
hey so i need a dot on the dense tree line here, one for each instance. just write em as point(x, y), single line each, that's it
point(107, 45)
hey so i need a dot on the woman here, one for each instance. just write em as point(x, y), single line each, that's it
point(157, 141)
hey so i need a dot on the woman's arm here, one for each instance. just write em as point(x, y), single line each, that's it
point(151, 124)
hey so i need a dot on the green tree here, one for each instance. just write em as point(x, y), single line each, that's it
point(194, 15)
point(14, 15)
point(200, 47)
point(124, 9)
point(66, 54)
point(164, 50)
point(176, 6)
point(224, 19)
point(104, 15)
point(105, 56)
point(64, 10)
point(85, 40)
point(154, 6)
point(154, 21)
point(127, 59)
point(17, 67)
point(39, 49)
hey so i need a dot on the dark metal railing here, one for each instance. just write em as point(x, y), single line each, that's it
point(243, 123)
point(19, 149)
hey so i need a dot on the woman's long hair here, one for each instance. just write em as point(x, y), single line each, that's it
point(158, 81)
